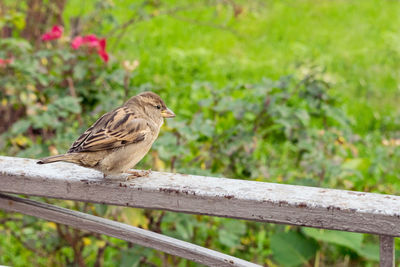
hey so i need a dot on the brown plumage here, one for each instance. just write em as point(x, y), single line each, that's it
point(119, 139)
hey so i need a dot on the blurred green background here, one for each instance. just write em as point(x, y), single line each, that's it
point(299, 92)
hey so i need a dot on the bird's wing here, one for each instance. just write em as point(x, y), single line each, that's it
point(114, 129)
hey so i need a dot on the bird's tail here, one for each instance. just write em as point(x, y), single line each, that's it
point(70, 157)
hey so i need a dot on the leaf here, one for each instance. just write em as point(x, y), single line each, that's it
point(87, 241)
point(228, 239)
point(292, 248)
point(337, 115)
point(18, 20)
point(356, 164)
point(20, 140)
point(185, 230)
point(349, 240)
point(100, 209)
point(51, 225)
point(235, 226)
point(20, 127)
point(80, 72)
point(303, 116)
point(369, 251)
point(231, 232)
point(17, 44)
point(132, 257)
point(68, 103)
point(203, 126)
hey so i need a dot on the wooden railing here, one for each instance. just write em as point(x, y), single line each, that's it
point(249, 200)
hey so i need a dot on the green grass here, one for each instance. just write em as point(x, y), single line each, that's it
point(358, 42)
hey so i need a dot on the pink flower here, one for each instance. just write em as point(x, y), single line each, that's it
point(53, 34)
point(5, 62)
point(92, 42)
point(102, 50)
point(103, 44)
point(77, 42)
point(103, 54)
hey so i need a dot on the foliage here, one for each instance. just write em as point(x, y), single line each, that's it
point(291, 248)
point(352, 241)
point(301, 128)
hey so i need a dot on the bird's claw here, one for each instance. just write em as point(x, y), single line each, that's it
point(137, 174)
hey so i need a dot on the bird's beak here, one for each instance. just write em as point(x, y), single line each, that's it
point(167, 113)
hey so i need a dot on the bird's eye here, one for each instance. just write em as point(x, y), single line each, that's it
point(158, 107)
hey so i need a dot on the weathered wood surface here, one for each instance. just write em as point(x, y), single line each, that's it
point(122, 231)
point(387, 256)
point(250, 200)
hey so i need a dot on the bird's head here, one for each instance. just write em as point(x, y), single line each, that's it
point(151, 104)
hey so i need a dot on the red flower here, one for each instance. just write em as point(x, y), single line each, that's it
point(55, 33)
point(103, 54)
point(92, 42)
point(77, 42)
point(103, 44)
point(102, 50)
point(5, 62)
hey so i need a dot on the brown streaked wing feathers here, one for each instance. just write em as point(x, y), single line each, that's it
point(114, 129)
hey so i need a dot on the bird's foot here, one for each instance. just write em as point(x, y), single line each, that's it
point(137, 174)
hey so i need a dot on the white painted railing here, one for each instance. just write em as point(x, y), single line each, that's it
point(266, 202)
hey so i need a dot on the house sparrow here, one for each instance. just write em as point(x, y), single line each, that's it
point(119, 139)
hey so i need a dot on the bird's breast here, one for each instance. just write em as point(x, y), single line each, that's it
point(126, 157)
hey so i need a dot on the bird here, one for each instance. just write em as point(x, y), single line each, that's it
point(119, 139)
